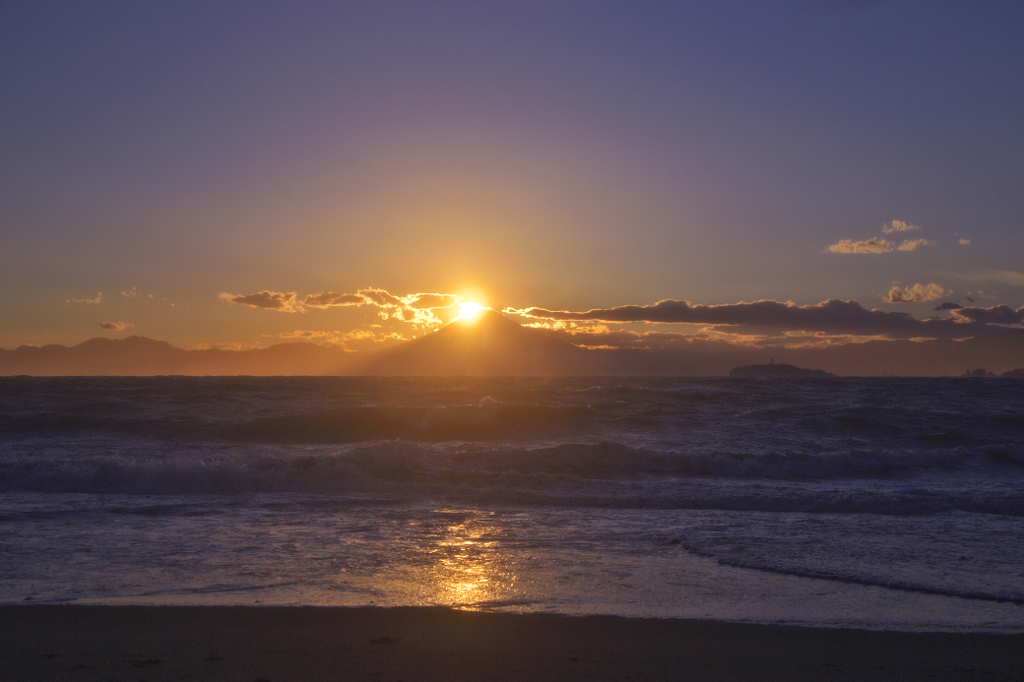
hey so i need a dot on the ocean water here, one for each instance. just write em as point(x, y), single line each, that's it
point(872, 503)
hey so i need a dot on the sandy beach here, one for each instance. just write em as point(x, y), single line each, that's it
point(279, 644)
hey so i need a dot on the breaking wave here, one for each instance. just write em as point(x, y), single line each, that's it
point(598, 475)
point(486, 420)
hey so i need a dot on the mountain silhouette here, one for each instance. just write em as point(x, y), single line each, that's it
point(139, 356)
point(488, 344)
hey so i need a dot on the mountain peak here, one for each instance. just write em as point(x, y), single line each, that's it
point(127, 342)
point(487, 322)
point(486, 344)
point(131, 342)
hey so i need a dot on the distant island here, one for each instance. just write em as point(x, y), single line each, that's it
point(773, 370)
point(982, 372)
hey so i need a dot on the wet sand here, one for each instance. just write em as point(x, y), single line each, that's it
point(281, 644)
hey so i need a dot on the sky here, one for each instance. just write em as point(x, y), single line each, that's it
point(240, 174)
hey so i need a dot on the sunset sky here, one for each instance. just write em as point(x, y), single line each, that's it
point(240, 174)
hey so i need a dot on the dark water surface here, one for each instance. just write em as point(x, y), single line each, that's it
point(894, 503)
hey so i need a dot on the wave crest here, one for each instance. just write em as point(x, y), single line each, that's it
point(602, 474)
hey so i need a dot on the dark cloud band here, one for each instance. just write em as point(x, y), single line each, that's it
point(833, 316)
point(1000, 314)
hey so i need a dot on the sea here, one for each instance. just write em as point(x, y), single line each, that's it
point(878, 503)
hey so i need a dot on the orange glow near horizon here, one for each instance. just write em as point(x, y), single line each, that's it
point(468, 310)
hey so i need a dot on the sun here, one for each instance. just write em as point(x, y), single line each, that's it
point(469, 310)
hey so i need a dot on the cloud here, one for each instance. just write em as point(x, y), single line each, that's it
point(328, 299)
point(877, 245)
point(225, 346)
point(873, 245)
point(428, 301)
point(135, 293)
point(917, 293)
point(357, 339)
point(88, 301)
point(914, 244)
point(881, 245)
point(305, 334)
point(832, 317)
point(948, 305)
point(268, 300)
point(114, 326)
point(601, 337)
point(381, 297)
point(364, 339)
point(415, 308)
point(898, 226)
point(1000, 314)
point(1006, 277)
point(964, 242)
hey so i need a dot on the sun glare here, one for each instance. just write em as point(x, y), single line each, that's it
point(469, 310)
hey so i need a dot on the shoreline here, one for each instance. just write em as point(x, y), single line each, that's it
point(283, 643)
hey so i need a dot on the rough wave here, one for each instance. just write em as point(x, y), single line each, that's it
point(488, 419)
point(602, 475)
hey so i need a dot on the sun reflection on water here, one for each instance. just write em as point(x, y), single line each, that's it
point(467, 565)
point(463, 558)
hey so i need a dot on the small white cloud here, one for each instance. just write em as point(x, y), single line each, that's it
point(135, 293)
point(965, 242)
point(914, 244)
point(306, 334)
point(917, 293)
point(873, 245)
point(114, 326)
point(88, 301)
point(898, 226)
point(880, 244)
